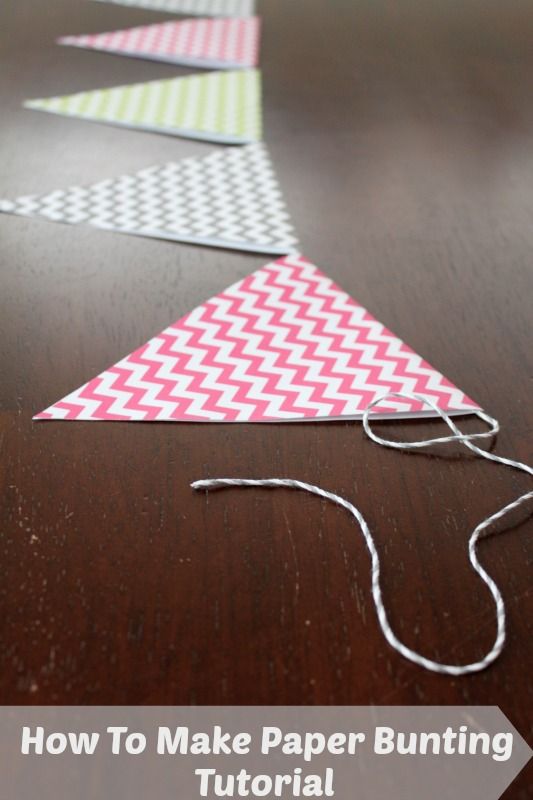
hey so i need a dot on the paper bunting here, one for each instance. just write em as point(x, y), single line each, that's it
point(218, 106)
point(285, 343)
point(222, 43)
point(229, 198)
point(209, 8)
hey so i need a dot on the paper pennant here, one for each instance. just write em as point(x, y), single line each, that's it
point(209, 8)
point(218, 106)
point(285, 343)
point(229, 198)
point(222, 43)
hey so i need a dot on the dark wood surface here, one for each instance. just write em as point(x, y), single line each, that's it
point(403, 137)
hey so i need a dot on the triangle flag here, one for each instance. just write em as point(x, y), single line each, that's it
point(229, 198)
point(209, 8)
point(221, 43)
point(217, 106)
point(284, 343)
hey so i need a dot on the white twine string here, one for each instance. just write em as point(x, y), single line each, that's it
point(479, 532)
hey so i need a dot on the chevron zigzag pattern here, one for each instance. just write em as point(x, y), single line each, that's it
point(284, 343)
point(218, 106)
point(230, 198)
point(220, 43)
point(209, 8)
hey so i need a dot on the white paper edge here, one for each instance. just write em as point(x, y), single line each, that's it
point(180, 132)
point(182, 13)
point(171, 237)
point(186, 61)
point(391, 417)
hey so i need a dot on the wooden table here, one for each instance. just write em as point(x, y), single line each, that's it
point(403, 137)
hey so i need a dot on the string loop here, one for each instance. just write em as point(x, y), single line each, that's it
point(479, 531)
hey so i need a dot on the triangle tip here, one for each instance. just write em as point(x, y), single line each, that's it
point(43, 415)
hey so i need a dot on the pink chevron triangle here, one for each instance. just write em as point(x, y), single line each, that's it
point(285, 343)
point(230, 42)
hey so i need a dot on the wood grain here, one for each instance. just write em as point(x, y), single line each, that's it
point(403, 137)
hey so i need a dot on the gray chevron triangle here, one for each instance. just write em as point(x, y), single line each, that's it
point(229, 198)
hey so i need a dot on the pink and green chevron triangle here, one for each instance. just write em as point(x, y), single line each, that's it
point(223, 106)
point(220, 43)
point(284, 343)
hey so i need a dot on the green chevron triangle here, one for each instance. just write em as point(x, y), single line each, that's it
point(217, 106)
